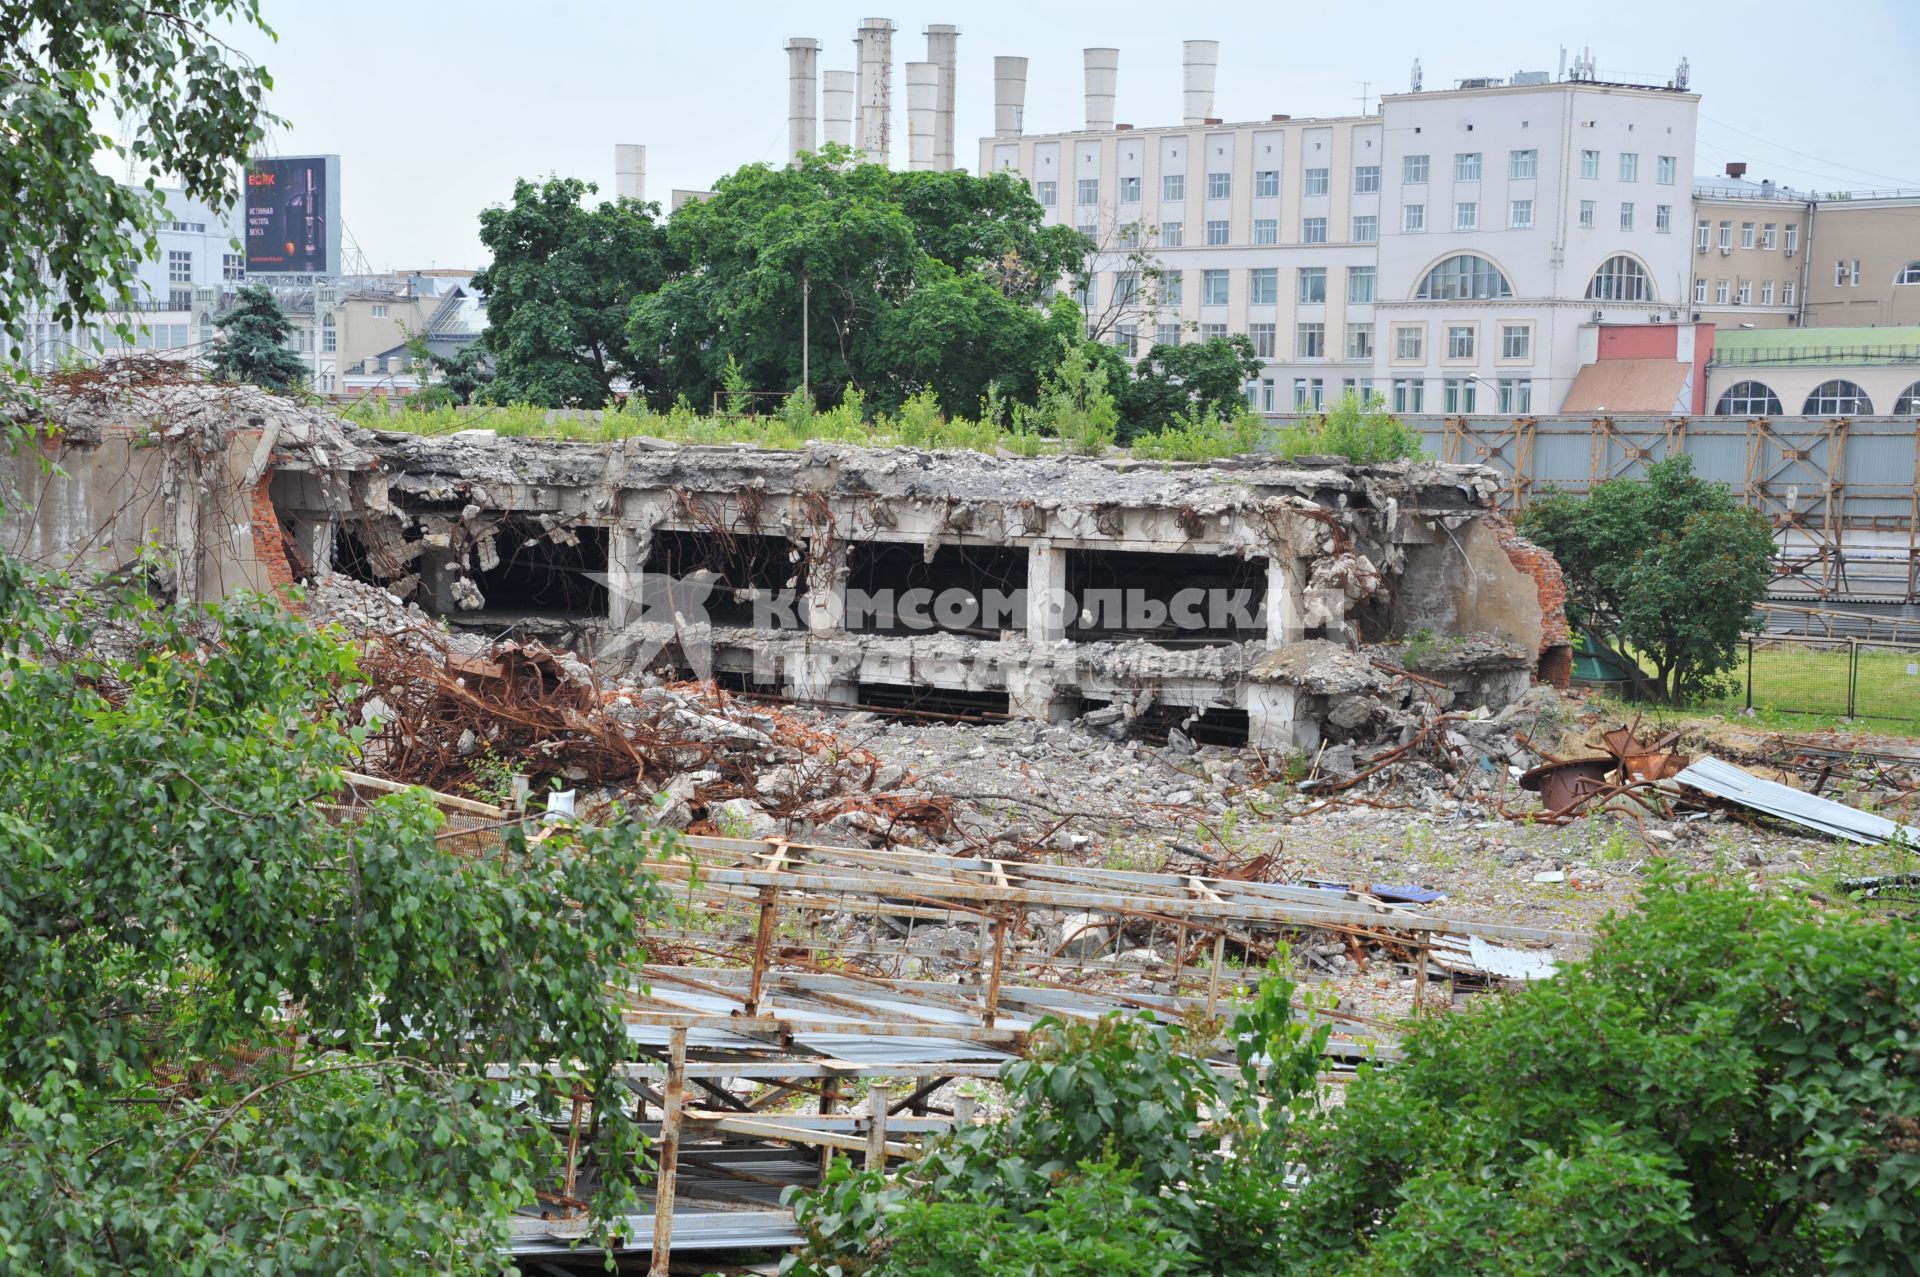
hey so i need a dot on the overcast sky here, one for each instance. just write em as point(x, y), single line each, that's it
point(436, 108)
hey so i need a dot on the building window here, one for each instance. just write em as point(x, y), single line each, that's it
point(1262, 335)
point(1620, 279)
point(1413, 218)
point(1366, 179)
point(1464, 277)
point(1626, 216)
point(1793, 238)
point(1665, 169)
point(1520, 215)
point(1128, 236)
point(1413, 169)
point(1266, 394)
point(1466, 216)
point(1086, 292)
point(1173, 287)
point(1314, 182)
point(1459, 341)
point(1089, 190)
point(1746, 234)
point(1514, 394)
point(1173, 187)
point(179, 266)
point(1720, 292)
point(1838, 398)
point(1840, 273)
point(1629, 166)
point(1366, 228)
point(1126, 289)
point(1266, 183)
point(1749, 399)
point(329, 335)
point(1213, 288)
point(1700, 292)
point(1213, 332)
point(1310, 341)
point(1590, 164)
point(1360, 281)
point(1167, 335)
point(1048, 193)
point(1263, 286)
point(1703, 235)
point(1359, 341)
point(1769, 237)
point(1313, 230)
point(1466, 166)
point(1408, 341)
point(1312, 288)
point(1663, 218)
point(1909, 401)
point(1173, 234)
point(233, 266)
point(1126, 340)
point(1217, 232)
point(1219, 186)
point(1586, 215)
point(1766, 292)
point(1266, 230)
point(1088, 229)
point(1409, 395)
point(1726, 235)
point(1523, 164)
point(1786, 293)
point(1456, 394)
point(1309, 394)
point(1908, 274)
point(1516, 341)
point(1743, 296)
point(1129, 190)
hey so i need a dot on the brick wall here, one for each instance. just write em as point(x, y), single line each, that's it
point(1556, 646)
point(269, 542)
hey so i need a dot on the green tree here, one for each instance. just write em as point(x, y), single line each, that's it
point(187, 109)
point(558, 289)
point(237, 1034)
point(1208, 377)
point(1670, 566)
point(1728, 1085)
point(1361, 430)
point(253, 344)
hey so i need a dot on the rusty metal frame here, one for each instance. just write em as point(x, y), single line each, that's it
point(1509, 451)
point(1773, 453)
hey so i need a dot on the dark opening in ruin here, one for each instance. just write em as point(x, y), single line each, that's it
point(741, 568)
point(1214, 725)
point(561, 572)
point(967, 589)
point(939, 702)
point(351, 557)
point(1171, 600)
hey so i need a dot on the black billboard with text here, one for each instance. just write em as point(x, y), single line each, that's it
point(289, 217)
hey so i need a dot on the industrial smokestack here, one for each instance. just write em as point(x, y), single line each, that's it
point(1200, 62)
point(943, 41)
point(1103, 70)
point(803, 67)
point(629, 171)
point(1009, 96)
point(923, 114)
point(837, 89)
point(875, 132)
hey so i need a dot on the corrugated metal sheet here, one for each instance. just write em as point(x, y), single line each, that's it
point(1724, 780)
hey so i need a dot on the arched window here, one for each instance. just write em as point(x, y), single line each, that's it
point(1909, 274)
point(1620, 279)
point(1464, 278)
point(1749, 399)
point(1838, 398)
point(1908, 404)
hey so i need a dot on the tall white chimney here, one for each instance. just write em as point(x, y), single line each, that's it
point(837, 89)
point(629, 171)
point(1009, 96)
point(1103, 69)
point(803, 71)
point(875, 132)
point(923, 114)
point(943, 41)
point(1200, 62)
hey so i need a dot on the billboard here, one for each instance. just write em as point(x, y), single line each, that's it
point(293, 215)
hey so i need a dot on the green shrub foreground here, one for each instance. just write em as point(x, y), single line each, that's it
point(1730, 1084)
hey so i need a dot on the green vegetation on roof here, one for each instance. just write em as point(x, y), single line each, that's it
point(1889, 344)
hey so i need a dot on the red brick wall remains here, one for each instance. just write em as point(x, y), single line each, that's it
point(1556, 645)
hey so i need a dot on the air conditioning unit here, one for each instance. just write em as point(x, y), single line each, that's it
point(1792, 250)
point(1726, 250)
point(1599, 315)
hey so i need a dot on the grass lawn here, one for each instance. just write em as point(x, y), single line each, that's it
point(1806, 685)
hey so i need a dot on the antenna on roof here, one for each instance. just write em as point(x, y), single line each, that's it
point(1416, 76)
point(1681, 76)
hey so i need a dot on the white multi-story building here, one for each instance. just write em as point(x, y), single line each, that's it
point(1445, 252)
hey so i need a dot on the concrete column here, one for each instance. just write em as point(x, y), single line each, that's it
point(826, 600)
point(1286, 617)
point(1032, 692)
point(1274, 720)
point(814, 674)
point(627, 550)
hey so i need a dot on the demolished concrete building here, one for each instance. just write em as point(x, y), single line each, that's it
point(947, 582)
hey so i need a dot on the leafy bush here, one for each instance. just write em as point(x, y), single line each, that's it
point(1202, 436)
point(1362, 432)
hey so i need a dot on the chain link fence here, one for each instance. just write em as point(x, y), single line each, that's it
point(1833, 678)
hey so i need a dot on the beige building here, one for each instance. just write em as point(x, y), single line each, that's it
point(1749, 252)
point(1864, 261)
